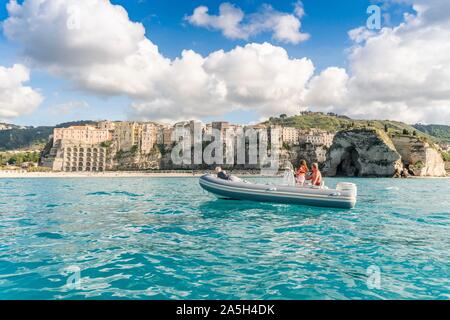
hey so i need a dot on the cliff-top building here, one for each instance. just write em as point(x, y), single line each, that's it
point(317, 137)
point(82, 134)
point(148, 136)
point(78, 148)
point(290, 135)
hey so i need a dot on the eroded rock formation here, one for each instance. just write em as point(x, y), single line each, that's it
point(362, 153)
point(419, 156)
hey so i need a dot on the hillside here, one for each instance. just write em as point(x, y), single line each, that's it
point(333, 123)
point(441, 132)
point(16, 137)
point(28, 138)
point(7, 126)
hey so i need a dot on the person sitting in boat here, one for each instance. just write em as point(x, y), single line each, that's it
point(222, 174)
point(316, 176)
point(300, 175)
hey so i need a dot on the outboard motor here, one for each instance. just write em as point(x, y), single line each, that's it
point(347, 187)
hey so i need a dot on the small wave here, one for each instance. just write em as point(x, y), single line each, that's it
point(125, 193)
point(104, 193)
point(392, 188)
point(98, 193)
point(49, 235)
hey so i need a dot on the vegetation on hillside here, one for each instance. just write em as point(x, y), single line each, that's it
point(31, 137)
point(76, 123)
point(7, 126)
point(18, 158)
point(313, 120)
point(441, 132)
point(446, 156)
point(28, 138)
point(333, 123)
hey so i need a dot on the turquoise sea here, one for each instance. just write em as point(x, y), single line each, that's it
point(165, 238)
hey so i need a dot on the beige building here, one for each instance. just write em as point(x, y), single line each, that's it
point(106, 125)
point(164, 135)
point(83, 158)
point(207, 129)
point(317, 137)
point(126, 135)
point(82, 134)
point(221, 126)
point(224, 127)
point(290, 135)
point(148, 136)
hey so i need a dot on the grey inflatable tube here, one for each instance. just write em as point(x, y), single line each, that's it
point(344, 196)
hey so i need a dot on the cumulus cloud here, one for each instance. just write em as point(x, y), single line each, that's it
point(261, 77)
point(235, 24)
point(70, 107)
point(398, 73)
point(256, 76)
point(91, 42)
point(15, 98)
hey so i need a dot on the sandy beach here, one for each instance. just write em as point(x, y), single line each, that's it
point(108, 174)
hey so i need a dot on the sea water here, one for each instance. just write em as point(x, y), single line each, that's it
point(165, 238)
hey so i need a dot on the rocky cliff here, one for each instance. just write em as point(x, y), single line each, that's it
point(357, 152)
point(362, 152)
point(133, 160)
point(370, 152)
point(419, 156)
point(305, 151)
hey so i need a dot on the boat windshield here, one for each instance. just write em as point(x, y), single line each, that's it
point(288, 176)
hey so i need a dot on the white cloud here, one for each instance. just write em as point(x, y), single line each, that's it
point(70, 107)
point(234, 23)
point(298, 9)
point(102, 32)
point(398, 73)
point(256, 76)
point(329, 88)
point(15, 98)
point(228, 20)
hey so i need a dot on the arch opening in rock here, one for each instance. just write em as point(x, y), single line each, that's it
point(350, 165)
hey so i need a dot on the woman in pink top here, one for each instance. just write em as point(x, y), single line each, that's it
point(301, 173)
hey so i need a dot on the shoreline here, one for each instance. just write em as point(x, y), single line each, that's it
point(111, 174)
point(108, 174)
point(143, 174)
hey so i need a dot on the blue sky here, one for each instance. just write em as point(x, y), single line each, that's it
point(328, 23)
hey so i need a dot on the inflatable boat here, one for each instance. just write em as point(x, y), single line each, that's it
point(344, 196)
